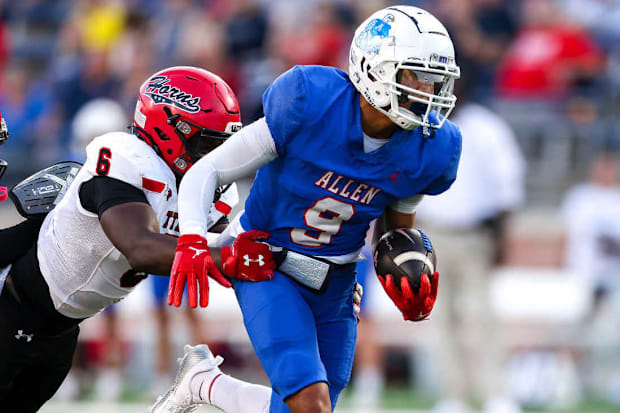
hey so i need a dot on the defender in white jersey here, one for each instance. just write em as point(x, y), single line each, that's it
point(117, 222)
point(81, 284)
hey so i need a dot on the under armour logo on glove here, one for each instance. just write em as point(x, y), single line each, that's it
point(20, 334)
point(247, 260)
point(247, 245)
point(197, 252)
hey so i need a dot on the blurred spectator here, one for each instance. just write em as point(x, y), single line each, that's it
point(467, 227)
point(211, 55)
point(95, 79)
point(593, 227)
point(550, 57)
point(481, 31)
point(600, 16)
point(85, 70)
point(30, 110)
point(134, 42)
point(246, 30)
point(4, 40)
point(134, 58)
point(95, 118)
point(369, 371)
point(320, 40)
point(170, 21)
point(100, 22)
point(593, 252)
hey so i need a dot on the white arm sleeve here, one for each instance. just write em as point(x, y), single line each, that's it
point(241, 155)
point(407, 205)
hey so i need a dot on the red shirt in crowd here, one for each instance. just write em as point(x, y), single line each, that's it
point(546, 61)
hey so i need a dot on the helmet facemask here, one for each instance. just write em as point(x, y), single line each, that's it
point(196, 140)
point(415, 90)
point(415, 104)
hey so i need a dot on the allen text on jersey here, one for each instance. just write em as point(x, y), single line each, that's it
point(347, 188)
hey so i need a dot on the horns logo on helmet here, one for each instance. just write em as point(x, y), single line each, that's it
point(161, 93)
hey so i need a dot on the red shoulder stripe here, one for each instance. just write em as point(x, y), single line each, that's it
point(223, 207)
point(152, 185)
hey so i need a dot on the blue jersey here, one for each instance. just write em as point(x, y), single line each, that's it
point(321, 193)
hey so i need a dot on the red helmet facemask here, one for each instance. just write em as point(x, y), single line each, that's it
point(184, 113)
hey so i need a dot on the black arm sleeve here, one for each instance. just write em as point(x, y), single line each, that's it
point(17, 240)
point(101, 193)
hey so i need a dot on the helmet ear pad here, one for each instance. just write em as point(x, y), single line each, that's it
point(181, 104)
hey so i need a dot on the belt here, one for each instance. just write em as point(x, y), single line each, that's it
point(311, 272)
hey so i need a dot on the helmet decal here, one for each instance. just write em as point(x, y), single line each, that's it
point(184, 112)
point(369, 39)
point(162, 94)
point(435, 58)
point(139, 117)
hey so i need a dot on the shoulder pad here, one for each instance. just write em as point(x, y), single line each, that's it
point(122, 156)
point(38, 194)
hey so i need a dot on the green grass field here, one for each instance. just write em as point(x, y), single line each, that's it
point(395, 400)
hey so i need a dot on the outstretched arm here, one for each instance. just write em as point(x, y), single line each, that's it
point(134, 231)
point(241, 155)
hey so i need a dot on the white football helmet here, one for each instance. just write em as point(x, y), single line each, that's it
point(396, 50)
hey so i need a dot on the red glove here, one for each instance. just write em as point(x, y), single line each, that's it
point(3, 193)
point(192, 262)
point(248, 258)
point(414, 308)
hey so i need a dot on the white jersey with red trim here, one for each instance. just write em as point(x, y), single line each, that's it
point(84, 271)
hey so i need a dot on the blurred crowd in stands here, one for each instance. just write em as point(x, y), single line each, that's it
point(550, 67)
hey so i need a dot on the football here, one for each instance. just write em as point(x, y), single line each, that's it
point(405, 253)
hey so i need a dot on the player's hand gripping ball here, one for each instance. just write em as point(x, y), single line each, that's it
point(405, 262)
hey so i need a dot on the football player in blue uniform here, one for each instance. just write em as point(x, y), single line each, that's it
point(333, 152)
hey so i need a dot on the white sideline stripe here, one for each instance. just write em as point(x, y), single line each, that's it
point(414, 256)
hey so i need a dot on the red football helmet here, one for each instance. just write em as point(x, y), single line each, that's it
point(185, 112)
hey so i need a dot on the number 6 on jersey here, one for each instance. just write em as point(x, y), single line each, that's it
point(325, 216)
